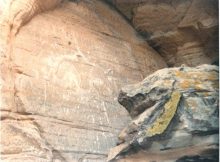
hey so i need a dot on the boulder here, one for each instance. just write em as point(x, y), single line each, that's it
point(175, 115)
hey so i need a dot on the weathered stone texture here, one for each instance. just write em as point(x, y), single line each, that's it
point(175, 116)
point(182, 31)
point(64, 70)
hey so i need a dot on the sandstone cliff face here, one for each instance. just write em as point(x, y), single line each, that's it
point(182, 31)
point(61, 71)
point(175, 117)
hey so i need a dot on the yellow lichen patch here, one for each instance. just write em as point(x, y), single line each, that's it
point(186, 84)
point(196, 84)
point(162, 122)
point(197, 75)
point(180, 74)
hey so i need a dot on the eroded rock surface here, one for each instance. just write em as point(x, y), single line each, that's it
point(182, 31)
point(175, 116)
point(63, 71)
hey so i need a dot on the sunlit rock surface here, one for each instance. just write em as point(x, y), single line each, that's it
point(61, 72)
point(175, 117)
point(182, 31)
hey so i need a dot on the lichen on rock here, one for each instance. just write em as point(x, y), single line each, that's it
point(162, 122)
point(181, 116)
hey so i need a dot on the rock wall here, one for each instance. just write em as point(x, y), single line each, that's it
point(61, 71)
point(182, 31)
